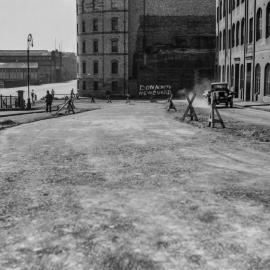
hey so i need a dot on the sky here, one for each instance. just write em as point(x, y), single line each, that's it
point(49, 21)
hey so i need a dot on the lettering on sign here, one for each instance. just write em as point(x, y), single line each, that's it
point(155, 90)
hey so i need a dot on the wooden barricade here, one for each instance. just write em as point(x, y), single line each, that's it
point(214, 112)
point(190, 111)
point(69, 104)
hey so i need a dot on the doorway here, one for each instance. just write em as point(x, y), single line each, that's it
point(248, 82)
point(236, 87)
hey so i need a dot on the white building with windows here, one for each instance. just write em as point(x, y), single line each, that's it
point(102, 47)
point(243, 44)
point(18, 71)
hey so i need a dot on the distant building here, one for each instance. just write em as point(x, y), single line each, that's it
point(127, 46)
point(18, 72)
point(45, 67)
point(243, 38)
point(69, 61)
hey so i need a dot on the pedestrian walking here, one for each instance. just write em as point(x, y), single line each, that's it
point(171, 104)
point(49, 100)
point(52, 93)
point(108, 97)
point(33, 96)
point(70, 106)
point(93, 99)
point(72, 94)
point(128, 99)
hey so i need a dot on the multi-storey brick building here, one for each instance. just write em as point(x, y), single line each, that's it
point(102, 46)
point(123, 44)
point(243, 38)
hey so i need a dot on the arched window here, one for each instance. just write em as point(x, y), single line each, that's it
point(259, 24)
point(268, 21)
point(257, 80)
point(114, 67)
point(232, 76)
point(223, 74)
point(220, 10)
point(84, 47)
point(224, 39)
point(267, 81)
point(233, 35)
point(230, 39)
point(82, 6)
point(242, 31)
point(242, 81)
point(84, 67)
point(237, 33)
point(220, 41)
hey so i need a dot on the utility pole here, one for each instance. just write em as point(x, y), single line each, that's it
point(30, 43)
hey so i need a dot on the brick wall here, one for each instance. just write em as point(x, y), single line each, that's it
point(180, 50)
point(163, 8)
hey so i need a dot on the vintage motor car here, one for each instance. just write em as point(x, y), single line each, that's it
point(223, 95)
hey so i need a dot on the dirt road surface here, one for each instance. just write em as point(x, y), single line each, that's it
point(130, 187)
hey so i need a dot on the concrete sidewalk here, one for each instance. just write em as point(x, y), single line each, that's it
point(15, 113)
point(263, 106)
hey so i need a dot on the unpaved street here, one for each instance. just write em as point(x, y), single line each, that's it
point(132, 188)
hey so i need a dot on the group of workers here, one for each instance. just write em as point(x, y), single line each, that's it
point(69, 101)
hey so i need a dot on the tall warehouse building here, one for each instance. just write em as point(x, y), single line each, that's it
point(243, 38)
point(126, 46)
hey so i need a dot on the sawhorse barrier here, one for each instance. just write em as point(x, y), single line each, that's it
point(214, 111)
point(70, 106)
point(190, 111)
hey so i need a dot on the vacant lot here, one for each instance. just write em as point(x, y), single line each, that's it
point(133, 188)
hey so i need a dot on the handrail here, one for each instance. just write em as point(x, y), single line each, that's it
point(8, 102)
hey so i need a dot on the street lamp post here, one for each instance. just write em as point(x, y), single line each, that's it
point(30, 43)
point(144, 34)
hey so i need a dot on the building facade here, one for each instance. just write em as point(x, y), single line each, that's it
point(125, 45)
point(102, 47)
point(243, 47)
point(18, 72)
point(45, 67)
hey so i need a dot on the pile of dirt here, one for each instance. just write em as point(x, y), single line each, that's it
point(7, 123)
point(125, 260)
point(241, 129)
point(246, 194)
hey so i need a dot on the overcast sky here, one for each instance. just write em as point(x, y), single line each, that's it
point(46, 20)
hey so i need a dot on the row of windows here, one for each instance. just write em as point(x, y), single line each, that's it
point(97, 5)
point(237, 33)
point(114, 67)
point(258, 73)
point(114, 86)
point(95, 46)
point(95, 25)
point(223, 6)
